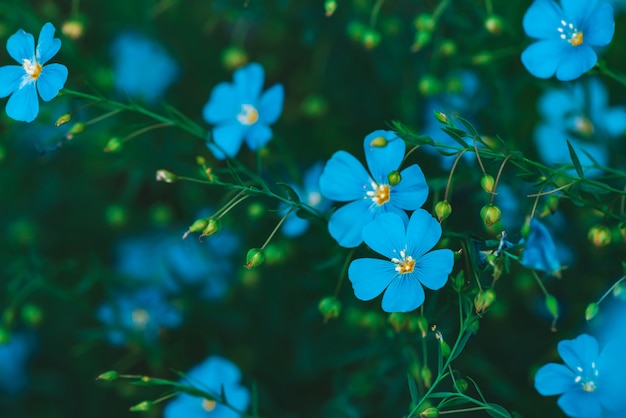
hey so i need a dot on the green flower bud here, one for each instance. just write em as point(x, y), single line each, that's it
point(552, 203)
point(422, 38)
point(494, 24)
point(445, 348)
point(443, 209)
point(212, 227)
point(599, 236)
point(552, 305)
point(108, 376)
point(487, 182)
point(274, 254)
point(462, 385)
point(254, 258)
point(63, 119)
point(256, 210)
point(114, 145)
point(76, 129)
point(398, 320)
point(141, 406)
point(425, 22)
point(526, 228)
point(429, 85)
point(622, 230)
point(5, 335)
point(431, 412)
point(591, 311)
point(441, 117)
point(73, 28)
point(356, 30)
point(447, 48)
point(314, 106)
point(458, 283)
point(482, 58)
point(166, 176)
point(160, 214)
point(422, 324)
point(379, 142)
point(31, 314)
point(490, 214)
point(371, 38)
point(234, 57)
point(115, 215)
point(330, 307)
point(197, 226)
point(329, 7)
point(427, 376)
point(484, 299)
point(394, 178)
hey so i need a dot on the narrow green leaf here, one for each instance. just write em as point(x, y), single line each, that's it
point(456, 134)
point(497, 411)
point(575, 160)
point(470, 128)
point(291, 193)
point(413, 389)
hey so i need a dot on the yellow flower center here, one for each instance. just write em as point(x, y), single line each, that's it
point(570, 33)
point(380, 193)
point(405, 264)
point(32, 68)
point(248, 115)
point(208, 405)
point(587, 383)
point(140, 318)
point(583, 125)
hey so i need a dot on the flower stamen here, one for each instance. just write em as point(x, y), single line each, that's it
point(405, 264)
point(140, 318)
point(32, 68)
point(248, 115)
point(208, 405)
point(569, 33)
point(380, 194)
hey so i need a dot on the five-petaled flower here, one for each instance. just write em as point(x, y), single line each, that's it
point(216, 376)
point(590, 380)
point(241, 112)
point(346, 180)
point(566, 36)
point(539, 250)
point(31, 76)
point(410, 263)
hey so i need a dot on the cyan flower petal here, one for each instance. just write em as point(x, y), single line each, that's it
point(228, 139)
point(257, 136)
point(614, 121)
point(386, 235)
point(423, 232)
point(346, 223)
point(344, 178)
point(23, 105)
point(611, 363)
point(10, 79)
point(577, 12)
point(271, 104)
point(580, 404)
point(248, 83)
point(370, 276)
point(294, 226)
point(539, 251)
point(223, 105)
point(600, 26)
point(542, 58)
point(542, 19)
point(432, 269)
point(412, 191)
point(554, 379)
point(575, 62)
point(383, 160)
point(21, 46)
point(555, 104)
point(47, 45)
point(51, 80)
point(404, 294)
point(579, 352)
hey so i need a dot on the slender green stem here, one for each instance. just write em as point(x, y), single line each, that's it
point(277, 227)
point(344, 271)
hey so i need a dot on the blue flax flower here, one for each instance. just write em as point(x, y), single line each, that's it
point(214, 376)
point(23, 81)
point(590, 380)
point(138, 316)
point(566, 36)
point(143, 69)
point(310, 194)
point(241, 112)
point(539, 251)
point(410, 265)
point(580, 113)
point(370, 194)
point(14, 354)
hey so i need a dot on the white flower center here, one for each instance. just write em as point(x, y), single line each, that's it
point(140, 318)
point(380, 193)
point(314, 199)
point(405, 264)
point(248, 115)
point(583, 125)
point(587, 380)
point(33, 71)
point(570, 34)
